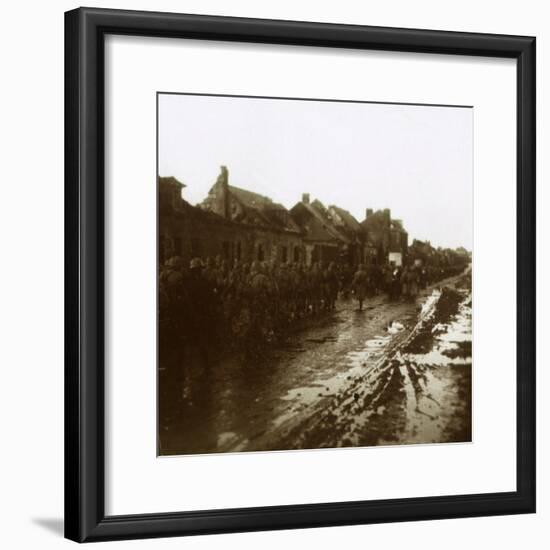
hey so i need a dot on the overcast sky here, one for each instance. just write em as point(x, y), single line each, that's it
point(415, 160)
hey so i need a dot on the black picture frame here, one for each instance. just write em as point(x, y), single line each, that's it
point(85, 29)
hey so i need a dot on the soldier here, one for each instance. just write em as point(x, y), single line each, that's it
point(377, 278)
point(260, 288)
point(209, 270)
point(359, 285)
point(184, 302)
point(240, 308)
point(285, 295)
point(315, 281)
point(395, 282)
point(387, 276)
point(222, 276)
point(331, 286)
point(233, 282)
point(371, 279)
point(405, 279)
point(172, 297)
point(345, 280)
point(201, 308)
point(295, 297)
point(304, 289)
point(273, 306)
point(413, 282)
point(425, 275)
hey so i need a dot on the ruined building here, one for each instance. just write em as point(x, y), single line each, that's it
point(268, 231)
point(385, 239)
point(323, 241)
point(424, 254)
point(188, 231)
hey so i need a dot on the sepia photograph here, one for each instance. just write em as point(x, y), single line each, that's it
point(314, 274)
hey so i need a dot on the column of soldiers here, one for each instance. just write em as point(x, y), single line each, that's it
point(242, 303)
point(246, 305)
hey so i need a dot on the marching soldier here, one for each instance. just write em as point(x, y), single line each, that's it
point(359, 285)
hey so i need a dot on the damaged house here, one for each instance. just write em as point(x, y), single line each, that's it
point(188, 231)
point(323, 241)
point(268, 231)
point(385, 239)
point(354, 250)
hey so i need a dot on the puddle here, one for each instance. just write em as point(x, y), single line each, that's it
point(452, 341)
point(396, 327)
point(435, 358)
point(429, 304)
point(360, 364)
point(322, 340)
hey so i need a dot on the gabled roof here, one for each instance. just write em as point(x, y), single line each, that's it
point(271, 213)
point(313, 228)
point(319, 210)
point(251, 199)
point(255, 209)
point(349, 222)
point(316, 222)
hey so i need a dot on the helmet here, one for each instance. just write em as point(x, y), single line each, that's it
point(174, 262)
point(196, 263)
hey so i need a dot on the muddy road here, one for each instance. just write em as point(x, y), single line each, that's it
point(395, 373)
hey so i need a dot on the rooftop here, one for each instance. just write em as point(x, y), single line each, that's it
point(171, 180)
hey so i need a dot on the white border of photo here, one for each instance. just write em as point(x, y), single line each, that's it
point(137, 481)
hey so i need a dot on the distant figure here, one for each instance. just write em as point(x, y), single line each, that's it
point(387, 277)
point(409, 282)
point(395, 290)
point(201, 315)
point(331, 285)
point(414, 282)
point(359, 285)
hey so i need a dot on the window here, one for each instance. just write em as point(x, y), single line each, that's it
point(316, 254)
point(177, 246)
point(296, 254)
point(261, 252)
point(225, 250)
point(195, 247)
point(284, 254)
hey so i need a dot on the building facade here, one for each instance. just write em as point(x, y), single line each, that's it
point(236, 224)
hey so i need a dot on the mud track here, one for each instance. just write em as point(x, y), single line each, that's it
point(391, 374)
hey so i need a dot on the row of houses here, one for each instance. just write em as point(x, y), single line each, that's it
point(423, 253)
point(238, 224)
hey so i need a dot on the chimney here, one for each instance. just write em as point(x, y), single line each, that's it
point(305, 198)
point(387, 215)
point(368, 212)
point(223, 180)
point(224, 174)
